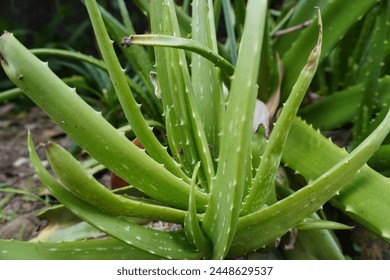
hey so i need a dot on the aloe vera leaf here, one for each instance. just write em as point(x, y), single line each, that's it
point(364, 198)
point(268, 71)
point(125, 96)
point(338, 109)
point(70, 54)
point(206, 80)
point(221, 216)
point(183, 18)
point(84, 58)
point(239, 12)
point(180, 104)
point(139, 61)
point(217, 7)
point(301, 12)
point(358, 56)
point(262, 227)
point(192, 228)
point(172, 88)
point(338, 16)
point(185, 44)
point(125, 14)
point(13, 93)
point(88, 128)
point(312, 244)
point(137, 57)
point(166, 244)
point(259, 143)
point(101, 65)
point(108, 249)
point(380, 160)
point(368, 104)
point(186, 6)
point(321, 244)
point(264, 180)
point(86, 187)
point(230, 24)
point(314, 224)
point(315, 245)
point(79, 231)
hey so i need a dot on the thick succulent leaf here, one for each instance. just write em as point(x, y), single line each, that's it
point(138, 59)
point(84, 58)
point(70, 55)
point(104, 249)
point(183, 18)
point(302, 12)
point(186, 133)
point(86, 187)
point(192, 228)
point(365, 198)
point(130, 107)
point(372, 72)
point(312, 223)
point(69, 233)
point(206, 78)
point(262, 227)
point(264, 181)
point(88, 128)
point(230, 23)
point(338, 109)
point(171, 245)
point(315, 245)
point(159, 40)
point(234, 161)
point(338, 17)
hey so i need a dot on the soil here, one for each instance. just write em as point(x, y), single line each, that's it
point(17, 211)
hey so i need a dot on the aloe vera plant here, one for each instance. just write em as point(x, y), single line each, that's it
point(216, 177)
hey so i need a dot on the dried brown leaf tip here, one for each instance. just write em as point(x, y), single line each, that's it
point(126, 42)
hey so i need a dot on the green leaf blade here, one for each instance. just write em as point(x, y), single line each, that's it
point(86, 126)
point(279, 218)
point(104, 249)
point(87, 188)
point(228, 186)
point(264, 180)
point(365, 198)
point(171, 245)
point(125, 96)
